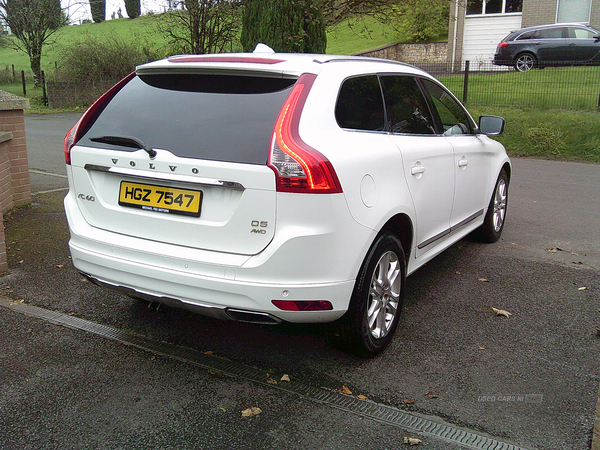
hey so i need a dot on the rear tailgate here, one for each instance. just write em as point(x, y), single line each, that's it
point(230, 207)
point(205, 183)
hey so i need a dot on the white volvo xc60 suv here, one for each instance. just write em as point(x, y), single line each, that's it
point(273, 187)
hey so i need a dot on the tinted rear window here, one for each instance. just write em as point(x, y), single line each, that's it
point(213, 117)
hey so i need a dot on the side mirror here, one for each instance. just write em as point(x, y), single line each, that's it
point(491, 125)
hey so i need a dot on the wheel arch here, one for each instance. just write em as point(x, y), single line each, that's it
point(401, 226)
point(508, 169)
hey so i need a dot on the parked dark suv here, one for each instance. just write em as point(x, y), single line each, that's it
point(561, 44)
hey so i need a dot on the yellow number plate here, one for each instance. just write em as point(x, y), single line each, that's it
point(160, 198)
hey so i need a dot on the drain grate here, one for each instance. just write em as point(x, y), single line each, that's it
point(365, 408)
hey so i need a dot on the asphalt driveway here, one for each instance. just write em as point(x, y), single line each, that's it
point(530, 379)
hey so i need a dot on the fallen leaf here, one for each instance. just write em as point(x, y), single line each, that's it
point(408, 401)
point(430, 394)
point(208, 353)
point(346, 391)
point(17, 302)
point(362, 397)
point(484, 280)
point(223, 409)
point(251, 412)
point(457, 272)
point(271, 381)
point(60, 266)
point(216, 373)
point(481, 348)
point(501, 312)
point(574, 254)
point(412, 441)
point(285, 378)
point(551, 250)
point(583, 288)
point(21, 262)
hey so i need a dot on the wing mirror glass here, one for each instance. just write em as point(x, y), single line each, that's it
point(491, 125)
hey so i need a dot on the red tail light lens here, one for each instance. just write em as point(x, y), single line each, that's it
point(303, 305)
point(299, 167)
point(503, 44)
point(90, 116)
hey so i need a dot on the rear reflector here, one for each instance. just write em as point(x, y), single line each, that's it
point(299, 305)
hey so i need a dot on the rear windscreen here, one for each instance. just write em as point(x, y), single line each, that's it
point(214, 117)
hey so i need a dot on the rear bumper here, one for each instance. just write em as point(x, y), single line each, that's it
point(220, 298)
point(301, 263)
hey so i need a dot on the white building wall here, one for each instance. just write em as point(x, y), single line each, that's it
point(483, 33)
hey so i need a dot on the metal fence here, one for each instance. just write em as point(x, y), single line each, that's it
point(485, 84)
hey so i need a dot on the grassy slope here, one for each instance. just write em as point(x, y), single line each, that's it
point(364, 35)
point(559, 134)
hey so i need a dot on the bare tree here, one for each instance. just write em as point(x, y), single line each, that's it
point(202, 26)
point(32, 22)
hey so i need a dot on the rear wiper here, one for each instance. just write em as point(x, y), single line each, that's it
point(125, 141)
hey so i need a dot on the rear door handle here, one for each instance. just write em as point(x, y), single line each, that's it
point(463, 162)
point(417, 170)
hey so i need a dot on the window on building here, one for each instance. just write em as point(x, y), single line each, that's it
point(573, 11)
point(494, 6)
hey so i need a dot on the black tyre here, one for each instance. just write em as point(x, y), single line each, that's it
point(525, 62)
point(372, 317)
point(493, 223)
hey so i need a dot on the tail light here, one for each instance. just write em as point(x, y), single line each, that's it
point(89, 117)
point(297, 166)
point(503, 44)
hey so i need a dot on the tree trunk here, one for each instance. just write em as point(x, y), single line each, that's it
point(35, 60)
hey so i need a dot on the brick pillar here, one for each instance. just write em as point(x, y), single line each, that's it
point(15, 189)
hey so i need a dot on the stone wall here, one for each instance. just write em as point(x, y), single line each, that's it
point(15, 188)
point(429, 52)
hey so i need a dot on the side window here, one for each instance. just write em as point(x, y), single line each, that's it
point(360, 105)
point(453, 118)
point(580, 33)
point(550, 33)
point(406, 107)
point(527, 35)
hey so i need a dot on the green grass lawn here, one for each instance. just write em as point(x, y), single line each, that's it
point(557, 87)
point(559, 134)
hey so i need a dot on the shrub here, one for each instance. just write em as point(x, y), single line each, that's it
point(97, 61)
point(284, 25)
point(6, 76)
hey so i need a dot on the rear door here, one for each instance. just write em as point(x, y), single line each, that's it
point(204, 184)
point(550, 45)
point(428, 158)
